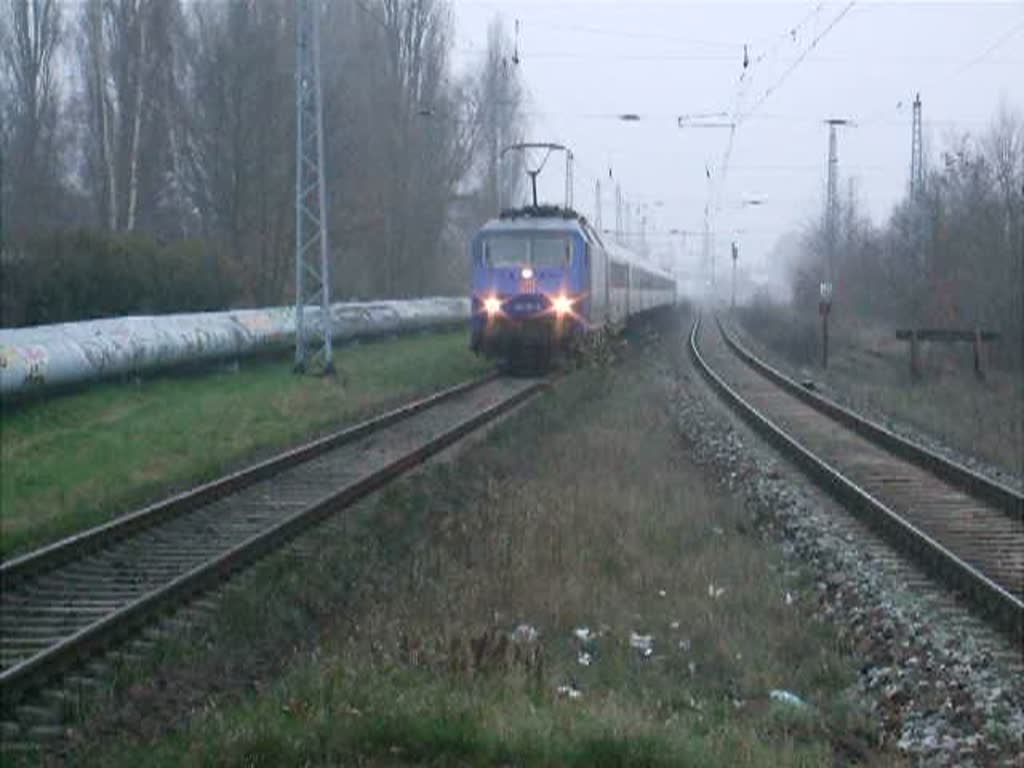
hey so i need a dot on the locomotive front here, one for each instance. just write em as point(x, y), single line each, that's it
point(528, 288)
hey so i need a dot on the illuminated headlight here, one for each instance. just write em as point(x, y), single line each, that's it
point(492, 305)
point(562, 305)
point(527, 273)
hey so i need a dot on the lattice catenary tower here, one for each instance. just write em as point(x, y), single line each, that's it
point(312, 267)
point(916, 153)
point(832, 203)
point(618, 213)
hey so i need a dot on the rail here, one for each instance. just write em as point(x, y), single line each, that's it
point(1005, 608)
point(992, 491)
point(173, 564)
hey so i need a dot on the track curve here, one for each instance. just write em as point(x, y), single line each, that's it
point(962, 527)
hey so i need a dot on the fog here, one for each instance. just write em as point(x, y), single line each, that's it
point(149, 147)
point(586, 63)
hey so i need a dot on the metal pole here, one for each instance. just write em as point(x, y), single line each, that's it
point(568, 179)
point(312, 262)
point(300, 293)
point(735, 256)
point(831, 234)
point(494, 155)
point(597, 205)
point(831, 213)
point(709, 262)
point(917, 209)
point(916, 158)
point(325, 271)
point(618, 212)
point(3, 193)
point(824, 340)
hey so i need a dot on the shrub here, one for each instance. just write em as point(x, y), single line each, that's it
point(82, 275)
point(791, 334)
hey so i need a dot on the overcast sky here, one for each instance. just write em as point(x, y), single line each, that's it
point(586, 61)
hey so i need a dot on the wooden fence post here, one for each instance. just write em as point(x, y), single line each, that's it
point(977, 354)
point(915, 369)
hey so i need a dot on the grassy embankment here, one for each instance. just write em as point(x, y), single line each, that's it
point(582, 510)
point(76, 460)
point(869, 370)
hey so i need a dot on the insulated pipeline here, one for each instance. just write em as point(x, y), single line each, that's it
point(45, 357)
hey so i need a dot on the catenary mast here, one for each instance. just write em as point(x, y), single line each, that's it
point(312, 266)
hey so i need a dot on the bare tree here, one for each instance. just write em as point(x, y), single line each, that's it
point(953, 258)
point(499, 97)
point(29, 38)
point(126, 57)
point(182, 115)
point(237, 155)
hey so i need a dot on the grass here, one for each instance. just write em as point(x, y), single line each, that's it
point(77, 460)
point(869, 370)
point(390, 645)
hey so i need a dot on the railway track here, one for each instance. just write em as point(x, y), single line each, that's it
point(964, 528)
point(64, 603)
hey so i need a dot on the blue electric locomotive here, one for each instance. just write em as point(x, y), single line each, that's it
point(542, 277)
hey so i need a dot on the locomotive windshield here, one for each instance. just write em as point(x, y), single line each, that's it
point(543, 251)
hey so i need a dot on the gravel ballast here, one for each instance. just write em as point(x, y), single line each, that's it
point(944, 688)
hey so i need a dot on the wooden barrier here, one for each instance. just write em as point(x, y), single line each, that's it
point(948, 335)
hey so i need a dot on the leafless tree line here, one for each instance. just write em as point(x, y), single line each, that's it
point(951, 257)
point(175, 120)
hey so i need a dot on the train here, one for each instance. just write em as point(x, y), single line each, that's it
point(543, 278)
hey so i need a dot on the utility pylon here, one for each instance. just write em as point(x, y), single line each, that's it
point(916, 154)
point(832, 203)
point(312, 266)
point(709, 259)
point(618, 212)
point(735, 257)
point(831, 234)
point(917, 212)
point(570, 185)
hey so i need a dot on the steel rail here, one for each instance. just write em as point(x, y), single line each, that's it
point(1004, 608)
point(80, 544)
point(56, 659)
point(992, 491)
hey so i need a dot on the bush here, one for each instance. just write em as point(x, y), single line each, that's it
point(83, 275)
point(790, 334)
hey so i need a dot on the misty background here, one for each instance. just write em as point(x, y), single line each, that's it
point(148, 147)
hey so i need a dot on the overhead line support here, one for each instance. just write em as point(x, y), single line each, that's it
point(312, 262)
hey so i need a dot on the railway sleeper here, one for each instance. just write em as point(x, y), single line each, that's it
point(9, 731)
point(31, 636)
point(146, 571)
point(58, 586)
point(35, 609)
point(38, 714)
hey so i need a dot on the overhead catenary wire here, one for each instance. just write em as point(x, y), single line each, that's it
point(945, 77)
point(797, 62)
point(772, 69)
point(999, 42)
point(373, 15)
point(717, 182)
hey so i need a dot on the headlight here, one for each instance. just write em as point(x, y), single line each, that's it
point(562, 305)
point(492, 305)
point(527, 273)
